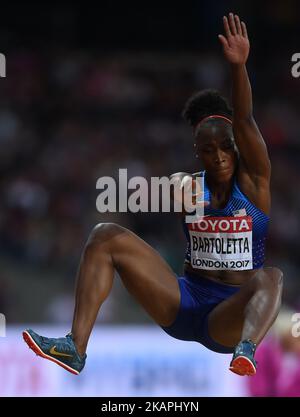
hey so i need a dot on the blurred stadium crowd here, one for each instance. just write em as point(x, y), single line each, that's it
point(72, 115)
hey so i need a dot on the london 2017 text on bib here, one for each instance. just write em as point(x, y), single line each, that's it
point(220, 243)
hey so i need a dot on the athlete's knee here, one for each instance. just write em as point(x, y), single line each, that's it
point(104, 232)
point(275, 275)
point(271, 278)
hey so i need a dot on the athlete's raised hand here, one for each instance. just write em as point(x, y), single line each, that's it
point(235, 43)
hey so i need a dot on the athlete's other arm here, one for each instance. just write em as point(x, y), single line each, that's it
point(185, 183)
point(254, 159)
point(178, 179)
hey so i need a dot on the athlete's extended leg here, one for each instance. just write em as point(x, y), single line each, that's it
point(144, 273)
point(249, 313)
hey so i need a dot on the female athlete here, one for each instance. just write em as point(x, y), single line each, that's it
point(226, 300)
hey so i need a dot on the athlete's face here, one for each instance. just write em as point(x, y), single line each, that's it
point(216, 148)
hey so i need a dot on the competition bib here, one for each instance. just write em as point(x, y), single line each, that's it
point(221, 243)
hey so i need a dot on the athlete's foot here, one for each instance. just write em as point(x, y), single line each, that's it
point(243, 362)
point(62, 351)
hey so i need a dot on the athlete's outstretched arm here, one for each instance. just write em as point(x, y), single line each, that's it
point(252, 148)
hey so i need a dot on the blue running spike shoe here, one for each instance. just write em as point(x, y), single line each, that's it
point(243, 362)
point(62, 351)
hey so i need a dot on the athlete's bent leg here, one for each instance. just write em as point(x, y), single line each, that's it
point(144, 273)
point(250, 312)
point(245, 318)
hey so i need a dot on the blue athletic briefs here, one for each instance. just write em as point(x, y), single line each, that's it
point(198, 297)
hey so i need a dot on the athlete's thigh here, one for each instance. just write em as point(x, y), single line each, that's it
point(145, 274)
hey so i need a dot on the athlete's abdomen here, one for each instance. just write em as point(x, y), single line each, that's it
point(227, 277)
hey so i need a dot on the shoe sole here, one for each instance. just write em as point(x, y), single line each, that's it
point(37, 350)
point(242, 366)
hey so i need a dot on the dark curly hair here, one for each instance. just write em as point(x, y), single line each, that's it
point(205, 103)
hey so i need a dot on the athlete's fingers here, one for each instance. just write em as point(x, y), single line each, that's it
point(186, 182)
point(223, 41)
point(200, 203)
point(190, 183)
point(238, 24)
point(198, 194)
point(226, 27)
point(193, 193)
point(197, 187)
point(193, 185)
point(244, 30)
point(232, 26)
point(184, 190)
point(193, 204)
